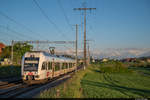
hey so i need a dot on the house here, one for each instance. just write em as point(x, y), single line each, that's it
point(104, 59)
point(148, 60)
point(6, 61)
point(1, 47)
point(129, 60)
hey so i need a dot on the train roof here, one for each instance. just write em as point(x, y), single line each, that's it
point(52, 56)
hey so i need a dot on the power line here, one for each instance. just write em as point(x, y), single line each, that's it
point(84, 9)
point(11, 30)
point(13, 20)
point(9, 35)
point(47, 17)
point(66, 18)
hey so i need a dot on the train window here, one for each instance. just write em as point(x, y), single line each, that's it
point(43, 66)
point(49, 65)
point(57, 66)
point(69, 65)
point(66, 65)
point(46, 65)
point(63, 66)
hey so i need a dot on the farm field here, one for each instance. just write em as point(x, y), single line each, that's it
point(106, 80)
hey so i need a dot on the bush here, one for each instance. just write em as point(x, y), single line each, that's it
point(114, 67)
point(7, 71)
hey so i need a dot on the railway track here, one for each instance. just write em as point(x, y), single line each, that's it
point(7, 85)
point(21, 90)
point(7, 82)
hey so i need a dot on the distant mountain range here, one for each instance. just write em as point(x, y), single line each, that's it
point(112, 53)
point(121, 53)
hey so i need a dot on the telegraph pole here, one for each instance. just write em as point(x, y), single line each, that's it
point(84, 9)
point(37, 47)
point(88, 54)
point(76, 46)
point(12, 47)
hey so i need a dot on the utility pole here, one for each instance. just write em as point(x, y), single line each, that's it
point(84, 9)
point(37, 47)
point(88, 50)
point(76, 46)
point(12, 47)
point(88, 54)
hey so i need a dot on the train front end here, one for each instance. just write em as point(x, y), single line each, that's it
point(30, 65)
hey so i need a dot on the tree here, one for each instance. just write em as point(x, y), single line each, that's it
point(19, 50)
point(6, 52)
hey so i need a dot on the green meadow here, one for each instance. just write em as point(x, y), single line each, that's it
point(105, 80)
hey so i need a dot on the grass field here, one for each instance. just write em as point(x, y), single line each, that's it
point(8, 71)
point(115, 85)
point(106, 80)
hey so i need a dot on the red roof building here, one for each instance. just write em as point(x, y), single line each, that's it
point(1, 47)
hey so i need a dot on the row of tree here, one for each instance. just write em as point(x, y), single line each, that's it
point(19, 50)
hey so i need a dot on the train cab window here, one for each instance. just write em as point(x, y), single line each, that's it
point(44, 66)
point(49, 65)
point(57, 66)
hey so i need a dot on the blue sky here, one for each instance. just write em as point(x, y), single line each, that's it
point(114, 23)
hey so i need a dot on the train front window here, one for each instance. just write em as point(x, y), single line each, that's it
point(31, 64)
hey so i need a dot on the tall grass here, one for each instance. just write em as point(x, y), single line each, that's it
point(69, 89)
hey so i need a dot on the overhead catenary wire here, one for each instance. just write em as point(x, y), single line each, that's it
point(7, 39)
point(16, 22)
point(47, 17)
point(65, 15)
point(9, 35)
point(13, 31)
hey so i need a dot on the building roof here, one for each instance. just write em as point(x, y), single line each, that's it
point(2, 45)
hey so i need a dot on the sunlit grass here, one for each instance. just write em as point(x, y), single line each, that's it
point(115, 85)
point(69, 89)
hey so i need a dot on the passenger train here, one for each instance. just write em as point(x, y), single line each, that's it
point(39, 66)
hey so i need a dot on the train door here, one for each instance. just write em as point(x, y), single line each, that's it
point(43, 70)
point(53, 68)
point(47, 71)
